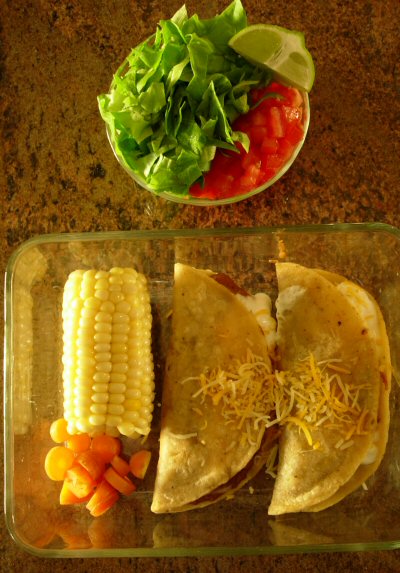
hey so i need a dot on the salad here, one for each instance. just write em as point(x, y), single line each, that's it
point(185, 106)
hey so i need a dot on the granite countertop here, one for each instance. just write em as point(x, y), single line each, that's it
point(58, 173)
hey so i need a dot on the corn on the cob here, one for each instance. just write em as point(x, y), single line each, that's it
point(108, 375)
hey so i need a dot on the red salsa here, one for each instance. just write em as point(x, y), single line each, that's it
point(275, 126)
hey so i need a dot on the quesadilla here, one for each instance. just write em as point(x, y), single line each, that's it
point(218, 371)
point(338, 429)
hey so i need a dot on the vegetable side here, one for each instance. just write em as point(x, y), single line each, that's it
point(173, 101)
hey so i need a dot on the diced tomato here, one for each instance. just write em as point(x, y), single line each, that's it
point(198, 191)
point(251, 158)
point(257, 117)
point(258, 133)
point(224, 183)
point(291, 113)
point(275, 161)
point(285, 149)
point(221, 161)
point(282, 90)
point(268, 146)
point(294, 97)
point(294, 133)
point(79, 482)
point(274, 127)
point(275, 123)
point(103, 499)
point(269, 173)
point(251, 177)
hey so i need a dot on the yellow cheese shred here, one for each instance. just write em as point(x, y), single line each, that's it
point(314, 394)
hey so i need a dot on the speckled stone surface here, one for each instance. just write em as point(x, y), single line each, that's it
point(58, 173)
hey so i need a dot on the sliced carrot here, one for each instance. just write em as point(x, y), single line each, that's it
point(139, 462)
point(120, 465)
point(121, 483)
point(92, 462)
point(58, 431)
point(106, 446)
point(68, 498)
point(58, 460)
point(79, 481)
point(103, 498)
point(79, 442)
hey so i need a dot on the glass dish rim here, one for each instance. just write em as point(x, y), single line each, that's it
point(41, 239)
point(86, 236)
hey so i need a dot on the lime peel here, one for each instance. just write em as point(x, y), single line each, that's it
point(278, 49)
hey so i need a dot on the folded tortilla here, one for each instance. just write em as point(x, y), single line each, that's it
point(203, 455)
point(335, 320)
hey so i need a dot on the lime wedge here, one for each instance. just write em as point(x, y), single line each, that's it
point(280, 50)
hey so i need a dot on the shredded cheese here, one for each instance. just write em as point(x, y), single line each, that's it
point(271, 466)
point(185, 436)
point(313, 395)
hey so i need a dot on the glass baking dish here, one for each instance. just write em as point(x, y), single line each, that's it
point(36, 272)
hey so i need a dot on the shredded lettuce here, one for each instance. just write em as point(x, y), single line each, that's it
point(173, 101)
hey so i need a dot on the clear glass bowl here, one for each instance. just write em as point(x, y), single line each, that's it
point(36, 272)
point(208, 202)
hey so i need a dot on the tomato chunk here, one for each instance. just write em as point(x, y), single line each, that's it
point(274, 126)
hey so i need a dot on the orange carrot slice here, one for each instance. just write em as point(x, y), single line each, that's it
point(79, 442)
point(68, 498)
point(103, 499)
point(139, 462)
point(120, 465)
point(58, 460)
point(79, 481)
point(106, 446)
point(92, 462)
point(121, 483)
